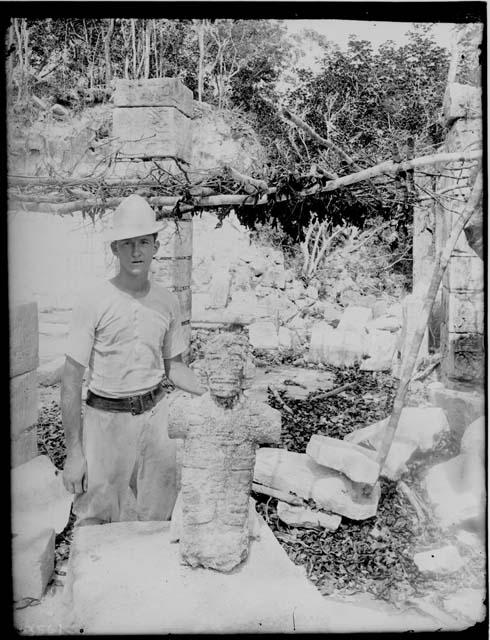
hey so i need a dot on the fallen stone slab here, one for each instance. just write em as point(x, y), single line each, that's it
point(39, 498)
point(461, 407)
point(443, 560)
point(356, 462)
point(355, 318)
point(419, 429)
point(164, 596)
point(302, 517)
point(263, 335)
point(32, 563)
point(50, 373)
point(297, 473)
point(456, 490)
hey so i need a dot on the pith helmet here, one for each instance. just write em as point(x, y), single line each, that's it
point(133, 217)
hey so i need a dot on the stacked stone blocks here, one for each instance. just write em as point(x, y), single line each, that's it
point(462, 328)
point(151, 118)
point(24, 360)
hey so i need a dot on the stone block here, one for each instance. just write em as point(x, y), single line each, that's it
point(50, 373)
point(297, 473)
point(301, 517)
point(23, 402)
point(24, 447)
point(330, 310)
point(463, 133)
point(473, 440)
point(274, 277)
point(39, 498)
point(338, 347)
point(356, 462)
point(419, 429)
point(32, 563)
point(463, 311)
point(460, 407)
point(456, 490)
point(286, 338)
point(23, 338)
point(263, 335)
point(257, 598)
point(381, 345)
point(355, 318)
point(461, 101)
point(443, 560)
point(463, 358)
point(464, 273)
point(219, 290)
point(143, 132)
point(154, 92)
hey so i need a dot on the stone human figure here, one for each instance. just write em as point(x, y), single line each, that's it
point(221, 430)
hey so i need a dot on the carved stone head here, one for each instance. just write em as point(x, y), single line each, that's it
point(228, 366)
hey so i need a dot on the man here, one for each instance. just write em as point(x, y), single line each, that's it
point(128, 332)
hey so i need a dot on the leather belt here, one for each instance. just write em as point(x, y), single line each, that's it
point(135, 405)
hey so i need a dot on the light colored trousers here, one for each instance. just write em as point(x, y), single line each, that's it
point(123, 450)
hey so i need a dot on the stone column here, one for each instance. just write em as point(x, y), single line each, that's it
point(24, 360)
point(152, 120)
point(462, 327)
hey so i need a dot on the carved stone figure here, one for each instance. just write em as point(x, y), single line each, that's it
point(221, 430)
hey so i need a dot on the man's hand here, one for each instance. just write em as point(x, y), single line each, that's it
point(75, 472)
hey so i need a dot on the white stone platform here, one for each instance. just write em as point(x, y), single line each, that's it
point(127, 578)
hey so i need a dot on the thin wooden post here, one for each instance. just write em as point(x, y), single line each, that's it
point(440, 266)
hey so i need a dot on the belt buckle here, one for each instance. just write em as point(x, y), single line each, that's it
point(135, 411)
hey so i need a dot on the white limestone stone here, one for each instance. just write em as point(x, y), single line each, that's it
point(296, 516)
point(356, 462)
point(32, 563)
point(443, 560)
point(263, 335)
point(299, 474)
point(39, 498)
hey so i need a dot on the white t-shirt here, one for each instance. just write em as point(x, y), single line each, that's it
point(124, 340)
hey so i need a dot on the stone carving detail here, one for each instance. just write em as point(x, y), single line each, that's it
point(221, 430)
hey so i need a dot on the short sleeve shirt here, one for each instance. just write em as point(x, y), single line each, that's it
point(123, 340)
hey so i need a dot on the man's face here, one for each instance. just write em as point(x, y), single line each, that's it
point(135, 254)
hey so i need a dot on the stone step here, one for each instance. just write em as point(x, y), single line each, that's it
point(126, 578)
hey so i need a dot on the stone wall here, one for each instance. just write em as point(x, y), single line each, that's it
point(24, 341)
point(462, 327)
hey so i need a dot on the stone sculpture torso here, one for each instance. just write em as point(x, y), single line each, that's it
point(220, 433)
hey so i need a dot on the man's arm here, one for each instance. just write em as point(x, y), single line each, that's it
point(181, 376)
point(75, 468)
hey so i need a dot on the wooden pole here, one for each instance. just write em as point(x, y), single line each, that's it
point(224, 200)
point(437, 274)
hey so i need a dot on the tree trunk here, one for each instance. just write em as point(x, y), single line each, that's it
point(133, 35)
point(200, 79)
point(107, 52)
